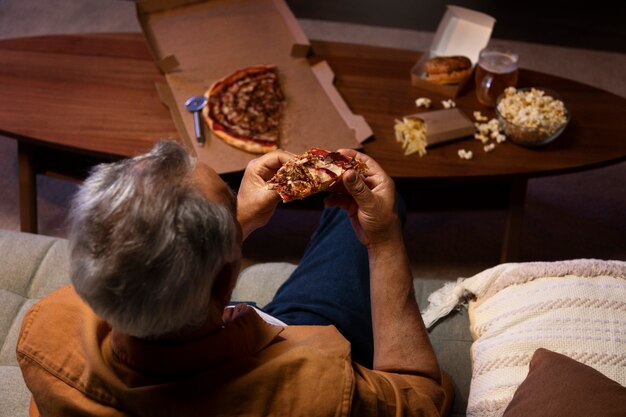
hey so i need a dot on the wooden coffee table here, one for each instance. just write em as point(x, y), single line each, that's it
point(72, 101)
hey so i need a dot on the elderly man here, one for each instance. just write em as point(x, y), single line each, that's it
point(155, 253)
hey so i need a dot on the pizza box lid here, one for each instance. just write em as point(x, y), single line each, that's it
point(461, 31)
point(197, 42)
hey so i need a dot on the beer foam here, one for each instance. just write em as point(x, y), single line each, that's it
point(498, 63)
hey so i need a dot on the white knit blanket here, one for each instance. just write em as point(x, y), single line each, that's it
point(577, 308)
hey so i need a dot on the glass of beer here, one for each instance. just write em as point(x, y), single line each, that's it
point(496, 70)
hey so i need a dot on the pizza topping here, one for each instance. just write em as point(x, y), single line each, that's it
point(251, 106)
point(314, 171)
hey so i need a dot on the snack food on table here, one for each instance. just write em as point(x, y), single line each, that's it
point(489, 147)
point(447, 69)
point(479, 117)
point(411, 133)
point(531, 116)
point(314, 171)
point(448, 104)
point(245, 108)
point(465, 154)
point(423, 102)
point(489, 130)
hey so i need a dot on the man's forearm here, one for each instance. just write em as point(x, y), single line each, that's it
point(401, 343)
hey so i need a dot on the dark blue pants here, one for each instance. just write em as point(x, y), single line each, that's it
point(330, 286)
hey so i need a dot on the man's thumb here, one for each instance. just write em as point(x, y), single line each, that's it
point(355, 186)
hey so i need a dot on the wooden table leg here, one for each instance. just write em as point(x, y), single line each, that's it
point(28, 187)
point(511, 244)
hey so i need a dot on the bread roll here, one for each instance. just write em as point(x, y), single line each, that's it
point(447, 69)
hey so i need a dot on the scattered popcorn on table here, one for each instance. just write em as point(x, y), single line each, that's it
point(411, 133)
point(423, 102)
point(448, 104)
point(493, 124)
point(479, 117)
point(482, 128)
point(485, 132)
point(481, 137)
point(489, 130)
point(463, 154)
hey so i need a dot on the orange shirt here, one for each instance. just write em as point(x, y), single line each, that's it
point(75, 365)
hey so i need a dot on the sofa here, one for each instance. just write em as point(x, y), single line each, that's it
point(521, 316)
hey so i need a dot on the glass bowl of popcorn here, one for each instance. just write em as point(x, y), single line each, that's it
point(531, 116)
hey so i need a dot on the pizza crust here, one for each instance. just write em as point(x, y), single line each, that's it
point(244, 144)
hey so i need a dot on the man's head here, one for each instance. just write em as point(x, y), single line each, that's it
point(154, 242)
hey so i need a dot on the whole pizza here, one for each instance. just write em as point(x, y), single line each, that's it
point(245, 108)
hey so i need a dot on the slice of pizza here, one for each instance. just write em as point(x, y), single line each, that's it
point(245, 108)
point(311, 172)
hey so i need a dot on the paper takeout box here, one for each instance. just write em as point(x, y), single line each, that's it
point(197, 42)
point(445, 125)
point(461, 32)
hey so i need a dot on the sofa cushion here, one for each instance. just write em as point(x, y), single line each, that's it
point(32, 266)
point(451, 340)
point(14, 396)
point(258, 283)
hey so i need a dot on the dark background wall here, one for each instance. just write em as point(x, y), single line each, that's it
point(599, 24)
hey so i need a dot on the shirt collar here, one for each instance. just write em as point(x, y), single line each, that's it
point(243, 336)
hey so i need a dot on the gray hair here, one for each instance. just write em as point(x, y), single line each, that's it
point(146, 244)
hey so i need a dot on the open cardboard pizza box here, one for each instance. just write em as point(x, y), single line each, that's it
point(461, 32)
point(196, 42)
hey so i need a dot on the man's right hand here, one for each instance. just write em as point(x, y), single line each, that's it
point(255, 204)
point(370, 202)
